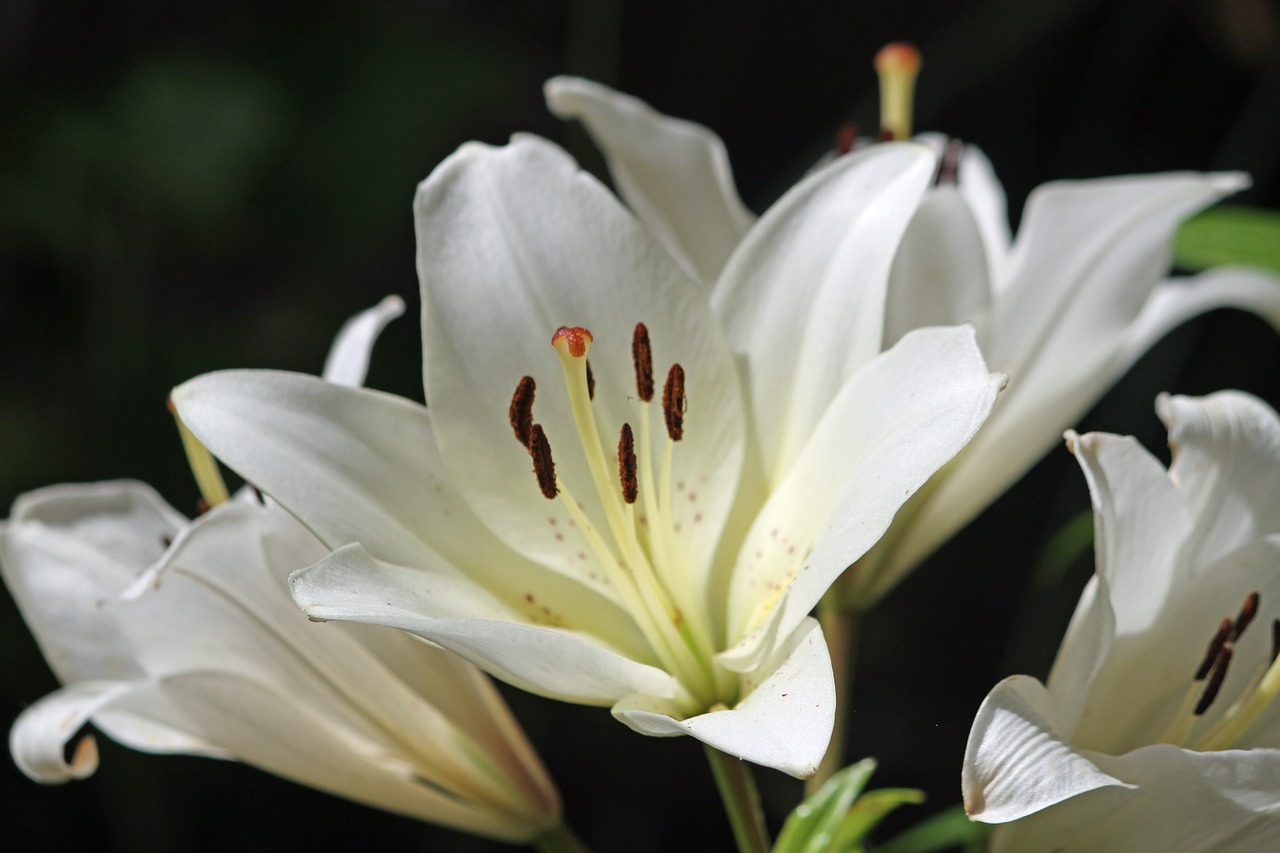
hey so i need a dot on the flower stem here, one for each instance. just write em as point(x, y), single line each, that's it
point(840, 627)
point(741, 801)
point(559, 839)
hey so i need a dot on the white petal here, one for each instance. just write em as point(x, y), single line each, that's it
point(802, 298)
point(67, 549)
point(673, 174)
point(982, 191)
point(271, 730)
point(351, 585)
point(513, 243)
point(1098, 248)
point(1016, 762)
point(939, 276)
point(1083, 652)
point(39, 736)
point(357, 465)
point(348, 360)
point(783, 722)
point(1190, 802)
point(1226, 463)
point(1177, 300)
point(893, 425)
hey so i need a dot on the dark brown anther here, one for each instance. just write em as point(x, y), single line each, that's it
point(1248, 610)
point(257, 493)
point(1275, 639)
point(166, 541)
point(627, 465)
point(885, 135)
point(673, 402)
point(949, 163)
point(642, 358)
point(846, 136)
point(521, 411)
point(1215, 646)
point(202, 506)
point(591, 382)
point(543, 467)
point(1215, 681)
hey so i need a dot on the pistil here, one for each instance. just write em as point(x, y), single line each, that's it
point(204, 467)
point(897, 65)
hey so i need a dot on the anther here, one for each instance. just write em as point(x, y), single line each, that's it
point(543, 466)
point(1215, 681)
point(572, 340)
point(949, 163)
point(627, 465)
point(1215, 646)
point(521, 411)
point(673, 402)
point(642, 358)
point(591, 382)
point(1275, 640)
point(846, 136)
point(1248, 610)
point(897, 65)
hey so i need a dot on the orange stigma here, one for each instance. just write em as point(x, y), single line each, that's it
point(572, 340)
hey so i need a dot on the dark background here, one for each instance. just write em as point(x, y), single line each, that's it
point(193, 186)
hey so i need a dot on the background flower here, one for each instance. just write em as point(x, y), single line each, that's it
point(1142, 739)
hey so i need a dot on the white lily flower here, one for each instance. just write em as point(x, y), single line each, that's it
point(181, 637)
point(1064, 310)
point(660, 561)
point(1159, 726)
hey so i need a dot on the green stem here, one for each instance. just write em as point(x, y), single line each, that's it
point(741, 801)
point(840, 627)
point(559, 839)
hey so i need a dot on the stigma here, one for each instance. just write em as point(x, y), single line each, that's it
point(897, 65)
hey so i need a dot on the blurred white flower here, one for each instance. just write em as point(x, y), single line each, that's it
point(1159, 728)
point(181, 637)
point(1064, 310)
point(664, 561)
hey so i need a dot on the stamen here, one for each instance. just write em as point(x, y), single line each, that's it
point(572, 340)
point(846, 136)
point(897, 65)
point(1215, 646)
point(1275, 639)
point(204, 467)
point(1248, 610)
point(673, 402)
point(1215, 681)
point(949, 163)
point(642, 358)
point(591, 382)
point(543, 466)
point(521, 411)
point(627, 465)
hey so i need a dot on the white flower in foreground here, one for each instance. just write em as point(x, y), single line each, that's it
point(178, 637)
point(1159, 727)
point(1064, 310)
point(664, 552)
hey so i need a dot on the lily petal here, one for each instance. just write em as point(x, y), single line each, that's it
point(673, 174)
point(940, 275)
point(66, 550)
point(39, 736)
point(351, 585)
point(784, 721)
point(358, 465)
point(893, 424)
point(802, 298)
point(1191, 802)
point(513, 243)
point(1016, 762)
point(348, 359)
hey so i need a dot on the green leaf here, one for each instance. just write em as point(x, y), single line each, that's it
point(814, 823)
point(1229, 234)
point(871, 808)
point(947, 830)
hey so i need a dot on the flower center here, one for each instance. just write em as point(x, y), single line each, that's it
point(1261, 689)
point(638, 549)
